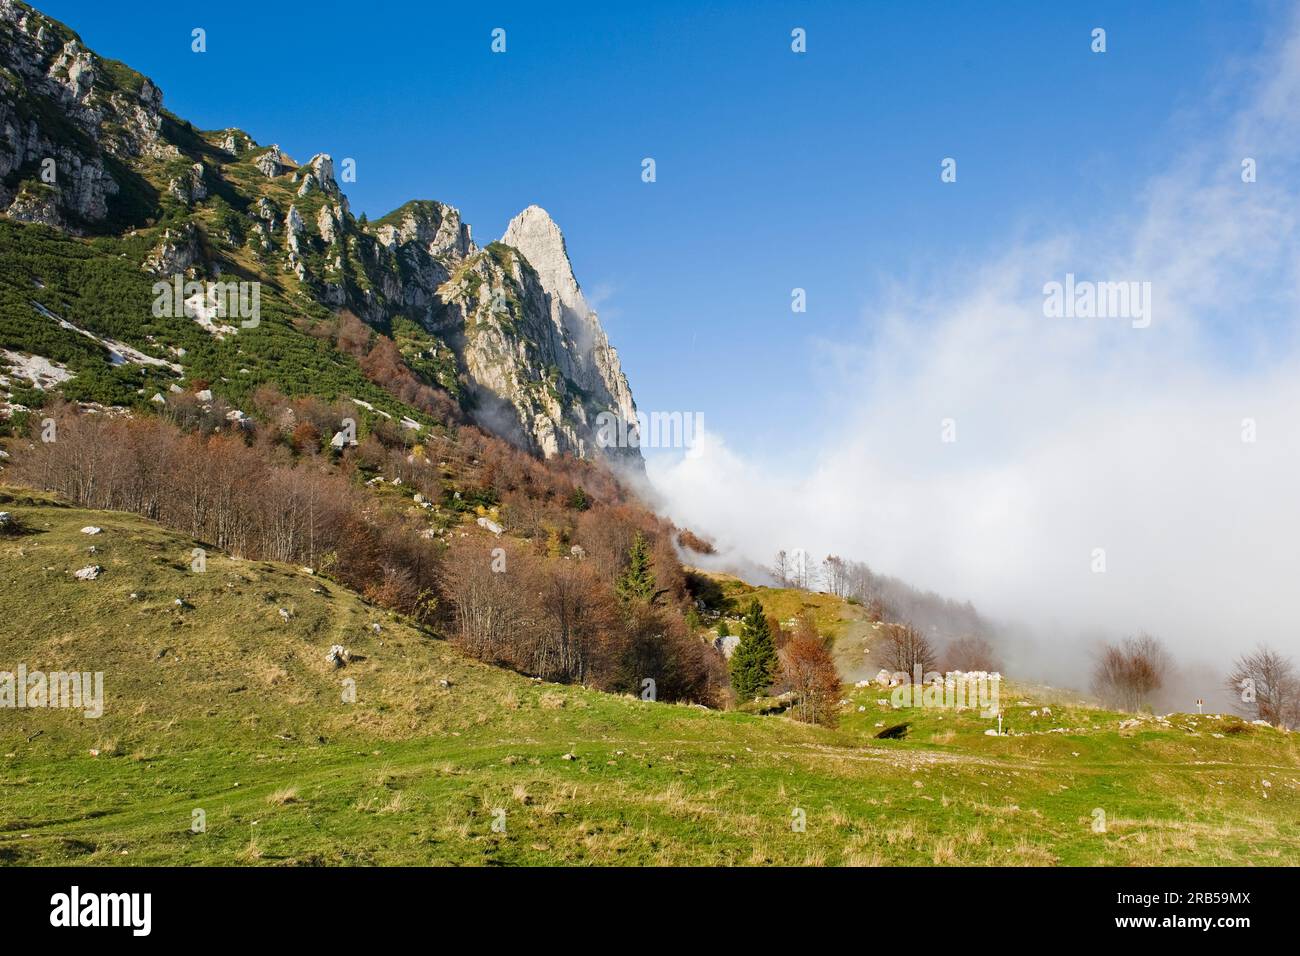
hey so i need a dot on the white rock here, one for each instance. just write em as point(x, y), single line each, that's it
point(88, 573)
point(91, 529)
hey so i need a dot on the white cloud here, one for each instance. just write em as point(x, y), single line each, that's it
point(1073, 434)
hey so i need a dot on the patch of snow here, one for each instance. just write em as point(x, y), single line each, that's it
point(202, 309)
point(39, 370)
point(370, 408)
point(119, 353)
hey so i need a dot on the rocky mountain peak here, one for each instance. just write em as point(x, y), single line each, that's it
point(504, 330)
point(586, 359)
point(534, 233)
point(435, 227)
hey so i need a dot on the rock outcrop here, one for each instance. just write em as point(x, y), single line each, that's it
point(86, 146)
point(70, 167)
point(587, 359)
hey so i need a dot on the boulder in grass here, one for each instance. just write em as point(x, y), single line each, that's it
point(91, 529)
point(88, 573)
point(338, 655)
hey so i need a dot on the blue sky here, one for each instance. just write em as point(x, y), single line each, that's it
point(775, 170)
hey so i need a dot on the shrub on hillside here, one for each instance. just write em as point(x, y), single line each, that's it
point(808, 671)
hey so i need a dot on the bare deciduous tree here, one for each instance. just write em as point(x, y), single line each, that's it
point(1266, 684)
point(971, 653)
point(781, 568)
point(835, 574)
point(906, 648)
point(1128, 673)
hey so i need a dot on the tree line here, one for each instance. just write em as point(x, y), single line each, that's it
point(586, 589)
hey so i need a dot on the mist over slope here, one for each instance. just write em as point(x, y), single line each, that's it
point(971, 444)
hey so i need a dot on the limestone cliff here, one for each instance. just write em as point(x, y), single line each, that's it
point(86, 147)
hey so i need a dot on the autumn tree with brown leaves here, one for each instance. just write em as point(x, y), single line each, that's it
point(808, 670)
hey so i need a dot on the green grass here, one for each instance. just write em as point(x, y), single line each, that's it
point(222, 706)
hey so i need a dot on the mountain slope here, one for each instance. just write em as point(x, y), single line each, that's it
point(247, 724)
point(87, 148)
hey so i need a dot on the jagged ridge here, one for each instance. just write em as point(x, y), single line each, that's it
point(503, 328)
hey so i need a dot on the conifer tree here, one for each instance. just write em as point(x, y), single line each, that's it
point(753, 662)
point(637, 582)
